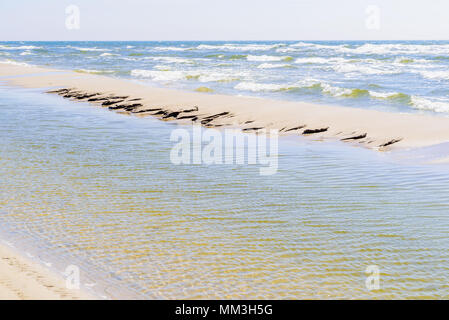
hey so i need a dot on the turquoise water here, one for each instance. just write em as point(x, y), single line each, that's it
point(81, 185)
point(397, 76)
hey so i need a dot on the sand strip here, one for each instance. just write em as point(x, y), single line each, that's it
point(372, 129)
point(24, 279)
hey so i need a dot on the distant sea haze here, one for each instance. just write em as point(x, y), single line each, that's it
point(396, 76)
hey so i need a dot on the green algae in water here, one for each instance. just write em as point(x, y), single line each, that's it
point(204, 89)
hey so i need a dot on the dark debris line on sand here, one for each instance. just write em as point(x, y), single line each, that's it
point(130, 105)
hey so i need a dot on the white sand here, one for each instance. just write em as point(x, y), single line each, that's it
point(23, 279)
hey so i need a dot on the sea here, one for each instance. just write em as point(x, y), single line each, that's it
point(83, 187)
point(396, 76)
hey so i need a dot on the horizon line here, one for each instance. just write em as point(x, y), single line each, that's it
point(290, 40)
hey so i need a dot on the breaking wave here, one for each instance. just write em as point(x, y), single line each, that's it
point(274, 66)
point(268, 58)
point(441, 106)
point(200, 75)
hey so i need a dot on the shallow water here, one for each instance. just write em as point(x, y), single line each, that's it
point(81, 185)
point(396, 76)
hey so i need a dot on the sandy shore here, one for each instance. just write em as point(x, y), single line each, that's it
point(368, 128)
point(24, 279)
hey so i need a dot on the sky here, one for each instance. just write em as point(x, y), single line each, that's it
point(224, 20)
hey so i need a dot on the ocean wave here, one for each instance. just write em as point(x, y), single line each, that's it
point(220, 77)
point(421, 103)
point(240, 47)
point(313, 45)
point(15, 63)
point(107, 54)
point(274, 66)
point(405, 60)
point(268, 58)
point(257, 87)
point(365, 69)
point(3, 47)
point(158, 75)
point(288, 50)
point(89, 49)
point(227, 57)
point(371, 48)
point(172, 60)
point(305, 46)
point(200, 75)
point(393, 96)
point(336, 91)
point(162, 67)
point(324, 88)
point(318, 60)
point(173, 48)
point(435, 75)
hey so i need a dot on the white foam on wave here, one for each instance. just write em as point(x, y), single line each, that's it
point(287, 50)
point(304, 46)
point(319, 60)
point(220, 77)
point(256, 87)
point(3, 47)
point(435, 75)
point(158, 75)
point(382, 95)
point(273, 65)
point(89, 49)
point(198, 75)
point(371, 48)
point(15, 63)
point(172, 48)
point(171, 60)
point(240, 47)
point(421, 103)
point(107, 54)
point(335, 91)
point(365, 69)
point(311, 83)
point(266, 58)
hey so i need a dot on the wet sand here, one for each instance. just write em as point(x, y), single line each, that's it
point(23, 279)
point(368, 128)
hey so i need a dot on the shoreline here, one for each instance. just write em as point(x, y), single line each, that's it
point(372, 129)
point(22, 278)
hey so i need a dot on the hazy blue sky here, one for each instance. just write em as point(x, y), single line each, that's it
point(224, 20)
